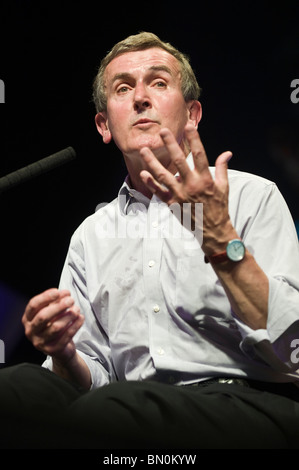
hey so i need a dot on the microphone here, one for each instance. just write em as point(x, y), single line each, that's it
point(37, 168)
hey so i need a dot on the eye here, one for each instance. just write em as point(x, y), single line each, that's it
point(160, 84)
point(122, 89)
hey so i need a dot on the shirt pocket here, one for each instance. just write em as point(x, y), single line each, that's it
point(200, 297)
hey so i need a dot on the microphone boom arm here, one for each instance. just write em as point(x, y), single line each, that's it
point(37, 168)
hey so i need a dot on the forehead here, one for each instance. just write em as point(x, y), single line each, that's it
point(142, 61)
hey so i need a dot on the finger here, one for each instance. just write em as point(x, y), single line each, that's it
point(64, 316)
point(61, 323)
point(59, 341)
point(178, 158)
point(66, 335)
point(40, 301)
point(200, 159)
point(157, 170)
point(221, 177)
point(63, 293)
point(161, 191)
point(48, 314)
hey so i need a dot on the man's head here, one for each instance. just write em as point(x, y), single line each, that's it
point(138, 42)
point(144, 85)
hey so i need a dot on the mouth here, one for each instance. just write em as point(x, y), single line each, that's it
point(144, 122)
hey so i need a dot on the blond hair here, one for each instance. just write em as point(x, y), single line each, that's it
point(138, 42)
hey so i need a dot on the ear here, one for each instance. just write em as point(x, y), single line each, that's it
point(102, 127)
point(195, 112)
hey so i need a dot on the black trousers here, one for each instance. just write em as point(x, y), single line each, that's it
point(40, 410)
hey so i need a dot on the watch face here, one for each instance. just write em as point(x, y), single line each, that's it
point(235, 250)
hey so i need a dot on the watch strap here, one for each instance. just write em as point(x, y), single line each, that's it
point(217, 258)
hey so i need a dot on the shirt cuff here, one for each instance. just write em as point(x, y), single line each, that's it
point(98, 379)
point(250, 337)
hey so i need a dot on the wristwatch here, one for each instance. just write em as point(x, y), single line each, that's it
point(235, 251)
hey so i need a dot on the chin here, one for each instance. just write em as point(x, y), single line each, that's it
point(151, 141)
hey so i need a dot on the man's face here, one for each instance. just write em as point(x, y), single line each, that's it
point(143, 96)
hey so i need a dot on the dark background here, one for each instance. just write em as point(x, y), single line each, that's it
point(245, 55)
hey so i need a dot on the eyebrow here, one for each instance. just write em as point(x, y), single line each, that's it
point(153, 68)
point(161, 68)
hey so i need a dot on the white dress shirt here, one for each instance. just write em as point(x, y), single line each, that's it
point(154, 310)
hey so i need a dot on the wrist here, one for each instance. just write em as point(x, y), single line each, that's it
point(64, 361)
point(235, 252)
point(73, 369)
point(216, 242)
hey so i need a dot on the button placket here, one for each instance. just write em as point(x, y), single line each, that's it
point(157, 315)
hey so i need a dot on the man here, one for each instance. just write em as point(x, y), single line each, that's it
point(178, 324)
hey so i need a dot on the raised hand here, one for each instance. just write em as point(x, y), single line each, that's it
point(193, 186)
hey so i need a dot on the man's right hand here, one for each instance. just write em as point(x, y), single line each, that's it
point(50, 320)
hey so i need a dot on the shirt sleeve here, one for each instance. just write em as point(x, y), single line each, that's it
point(269, 234)
point(91, 342)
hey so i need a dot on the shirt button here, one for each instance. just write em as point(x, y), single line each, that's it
point(151, 263)
point(160, 351)
point(155, 224)
point(156, 308)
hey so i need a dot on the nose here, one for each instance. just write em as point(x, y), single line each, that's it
point(142, 99)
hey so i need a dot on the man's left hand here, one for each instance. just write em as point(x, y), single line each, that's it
point(193, 186)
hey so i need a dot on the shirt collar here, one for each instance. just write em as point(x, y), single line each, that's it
point(130, 199)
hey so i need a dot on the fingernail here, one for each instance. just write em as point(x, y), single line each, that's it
point(69, 301)
point(54, 294)
point(164, 132)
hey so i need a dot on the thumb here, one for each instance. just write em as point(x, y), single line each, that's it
point(221, 178)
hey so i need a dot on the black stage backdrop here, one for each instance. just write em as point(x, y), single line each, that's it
point(246, 57)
